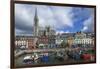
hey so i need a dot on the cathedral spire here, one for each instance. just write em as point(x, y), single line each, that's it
point(36, 16)
point(35, 23)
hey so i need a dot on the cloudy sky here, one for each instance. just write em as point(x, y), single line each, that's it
point(62, 19)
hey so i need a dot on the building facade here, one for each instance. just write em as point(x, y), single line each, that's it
point(41, 35)
point(82, 38)
point(25, 42)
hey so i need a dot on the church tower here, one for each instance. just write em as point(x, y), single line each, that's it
point(35, 33)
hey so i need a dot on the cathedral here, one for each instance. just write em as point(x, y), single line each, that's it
point(41, 35)
point(40, 31)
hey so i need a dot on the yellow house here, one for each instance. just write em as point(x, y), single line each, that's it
point(70, 41)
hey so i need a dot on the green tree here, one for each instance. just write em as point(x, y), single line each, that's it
point(63, 44)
